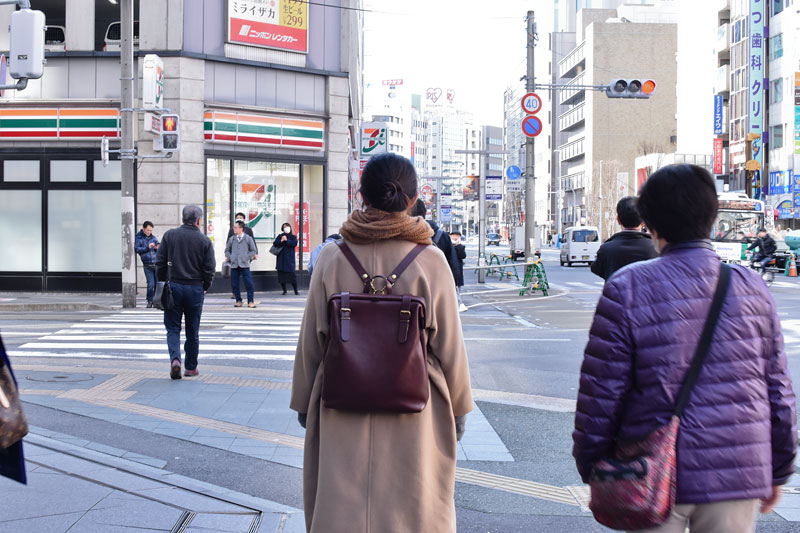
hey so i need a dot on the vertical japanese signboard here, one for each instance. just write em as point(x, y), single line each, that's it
point(305, 232)
point(796, 195)
point(797, 113)
point(756, 91)
point(281, 24)
point(717, 114)
point(494, 187)
point(718, 156)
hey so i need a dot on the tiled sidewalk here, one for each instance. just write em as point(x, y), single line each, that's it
point(242, 410)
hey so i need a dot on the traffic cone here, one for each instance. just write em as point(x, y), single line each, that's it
point(792, 270)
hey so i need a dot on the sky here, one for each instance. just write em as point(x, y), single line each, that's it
point(473, 47)
point(477, 48)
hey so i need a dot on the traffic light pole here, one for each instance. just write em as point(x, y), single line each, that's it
point(126, 137)
point(530, 179)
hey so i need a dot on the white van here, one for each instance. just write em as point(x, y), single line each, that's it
point(580, 245)
point(113, 38)
point(55, 39)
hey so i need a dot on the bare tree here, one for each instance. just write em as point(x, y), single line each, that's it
point(612, 191)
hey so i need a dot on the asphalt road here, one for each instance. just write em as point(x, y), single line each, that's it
point(525, 349)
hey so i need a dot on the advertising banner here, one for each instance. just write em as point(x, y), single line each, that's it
point(281, 24)
point(780, 182)
point(718, 156)
point(797, 113)
point(717, 114)
point(428, 194)
point(494, 188)
point(756, 109)
point(306, 226)
point(471, 186)
point(796, 191)
point(255, 197)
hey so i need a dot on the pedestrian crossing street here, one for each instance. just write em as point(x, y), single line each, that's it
point(267, 334)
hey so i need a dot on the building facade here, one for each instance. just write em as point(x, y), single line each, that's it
point(268, 101)
point(600, 137)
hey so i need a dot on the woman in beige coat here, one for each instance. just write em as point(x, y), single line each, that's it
point(371, 472)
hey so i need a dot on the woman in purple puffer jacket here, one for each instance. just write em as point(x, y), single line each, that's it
point(738, 435)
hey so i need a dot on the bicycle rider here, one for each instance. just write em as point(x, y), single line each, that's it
point(766, 249)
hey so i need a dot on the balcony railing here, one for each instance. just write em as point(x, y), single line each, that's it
point(723, 44)
point(571, 96)
point(572, 151)
point(566, 67)
point(574, 181)
point(571, 118)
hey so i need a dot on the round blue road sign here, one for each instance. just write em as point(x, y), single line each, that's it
point(513, 172)
point(531, 126)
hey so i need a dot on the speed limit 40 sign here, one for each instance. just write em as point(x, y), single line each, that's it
point(531, 103)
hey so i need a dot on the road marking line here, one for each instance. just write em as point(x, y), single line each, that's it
point(158, 347)
point(529, 339)
point(533, 401)
point(525, 323)
point(150, 356)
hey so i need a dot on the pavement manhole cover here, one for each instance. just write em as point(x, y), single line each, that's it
point(58, 377)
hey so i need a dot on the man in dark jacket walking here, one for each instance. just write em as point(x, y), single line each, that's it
point(628, 246)
point(766, 249)
point(146, 245)
point(186, 259)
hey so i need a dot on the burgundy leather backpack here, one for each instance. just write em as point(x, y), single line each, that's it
point(376, 354)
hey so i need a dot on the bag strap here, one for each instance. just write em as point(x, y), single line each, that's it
point(438, 236)
point(362, 272)
point(705, 339)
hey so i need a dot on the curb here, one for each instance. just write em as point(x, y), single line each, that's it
point(161, 476)
point(57, 307)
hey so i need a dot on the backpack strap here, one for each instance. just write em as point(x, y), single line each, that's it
point(392, 278)
point(438, 236)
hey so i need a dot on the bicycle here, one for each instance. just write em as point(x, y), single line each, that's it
point(768, 275)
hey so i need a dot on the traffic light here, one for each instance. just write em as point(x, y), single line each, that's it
point(631, 88)
point(169, 139)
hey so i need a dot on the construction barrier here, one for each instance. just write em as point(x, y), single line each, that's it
point(535, 279)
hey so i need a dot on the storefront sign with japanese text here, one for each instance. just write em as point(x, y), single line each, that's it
point(306, 235)
point(281, 24)
point(494, 187)
point(756, 110)
point(717, 114)
point(717, 156)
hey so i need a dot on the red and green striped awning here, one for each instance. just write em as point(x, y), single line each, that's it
point(58, 124)
point(263, 130)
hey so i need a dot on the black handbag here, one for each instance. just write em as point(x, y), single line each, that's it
point(275, 250)
point(226, 269)
point(162, 299)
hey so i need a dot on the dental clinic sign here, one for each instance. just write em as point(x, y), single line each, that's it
point(281, 24)
point(757, 41)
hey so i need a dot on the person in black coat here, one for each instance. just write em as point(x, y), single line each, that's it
point(766, 249)
point(461, 254)
point(628, 246)
point(285, 262)
point(12, 461)
point(440, 239)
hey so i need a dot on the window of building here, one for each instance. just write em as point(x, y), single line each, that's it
point(776, 91)
point(776, 46)
point(776, 137)
point(777, 6)
point(16, 171)
point(67, 171)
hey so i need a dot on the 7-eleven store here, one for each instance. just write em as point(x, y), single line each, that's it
point(60, 207)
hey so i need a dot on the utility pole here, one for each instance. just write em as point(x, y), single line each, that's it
point(530, 180)
point(126, 127)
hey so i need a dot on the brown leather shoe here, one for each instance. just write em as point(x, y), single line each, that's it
point(238, 303)
point(251, 304)
point(191, 373)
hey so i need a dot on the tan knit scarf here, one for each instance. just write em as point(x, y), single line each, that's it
point(364, 227)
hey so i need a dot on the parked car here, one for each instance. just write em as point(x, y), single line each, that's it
point(493, 238)
point(580, 245)
point(55, 39)
point(113, 39)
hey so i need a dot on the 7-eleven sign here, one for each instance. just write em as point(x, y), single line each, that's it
point(373, 138)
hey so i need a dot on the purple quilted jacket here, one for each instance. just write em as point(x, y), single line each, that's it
point(738, 433)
